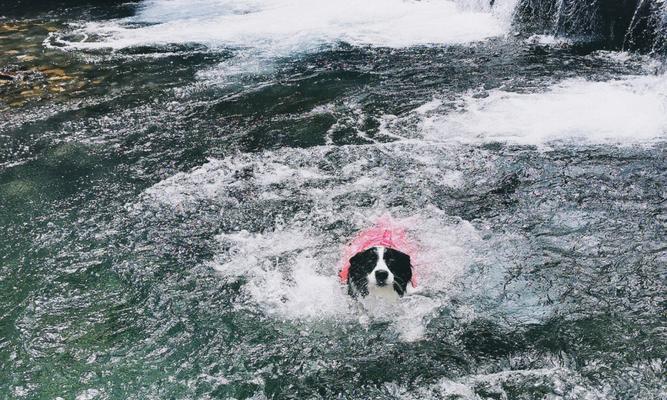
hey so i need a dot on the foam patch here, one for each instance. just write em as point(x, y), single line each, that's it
point(289, 267)
point(623, 111)
point(283, 27)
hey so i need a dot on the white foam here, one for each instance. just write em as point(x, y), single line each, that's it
point(300, 286)
point(283, 27)
point(292, 274)
point(289, 269)
point(548, 40)
point(563, 382)
point(623, 111)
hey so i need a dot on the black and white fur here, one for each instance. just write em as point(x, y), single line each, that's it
point(380, 272)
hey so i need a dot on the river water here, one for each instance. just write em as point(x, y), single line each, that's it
point(178, 180)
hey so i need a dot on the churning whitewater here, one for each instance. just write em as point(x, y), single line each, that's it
point(286, 27)
point(179, 180)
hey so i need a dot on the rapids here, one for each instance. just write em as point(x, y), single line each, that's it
point(179, 178)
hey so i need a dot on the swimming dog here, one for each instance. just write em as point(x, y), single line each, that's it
point(377, 262)
point(379, 271)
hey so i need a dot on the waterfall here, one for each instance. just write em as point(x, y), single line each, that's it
point(648, 21)
point(291, 26)
point(620, 24)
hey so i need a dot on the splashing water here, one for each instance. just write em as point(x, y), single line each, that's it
point(291, 270)
point(177, 203)
point(628, 111)
point(282, 27)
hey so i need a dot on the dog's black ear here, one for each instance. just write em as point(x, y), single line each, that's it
point(399, 263)
point(364, 262)
point(399, 256)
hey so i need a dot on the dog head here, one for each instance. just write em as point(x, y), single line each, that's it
point(379, 271)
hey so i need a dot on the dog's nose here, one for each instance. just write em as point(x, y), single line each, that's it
point(381, 275)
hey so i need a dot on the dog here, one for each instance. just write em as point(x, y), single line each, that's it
point(377, 261)
point(379, 271)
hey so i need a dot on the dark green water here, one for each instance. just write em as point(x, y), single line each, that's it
point(172, 230)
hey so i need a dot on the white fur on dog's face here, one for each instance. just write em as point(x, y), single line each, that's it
point(382, 288)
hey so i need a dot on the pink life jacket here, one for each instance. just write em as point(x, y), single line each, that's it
point(387, 233)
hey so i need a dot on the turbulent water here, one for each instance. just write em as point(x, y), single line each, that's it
point(178, 180)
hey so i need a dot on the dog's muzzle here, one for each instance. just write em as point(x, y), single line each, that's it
point(381, 277)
